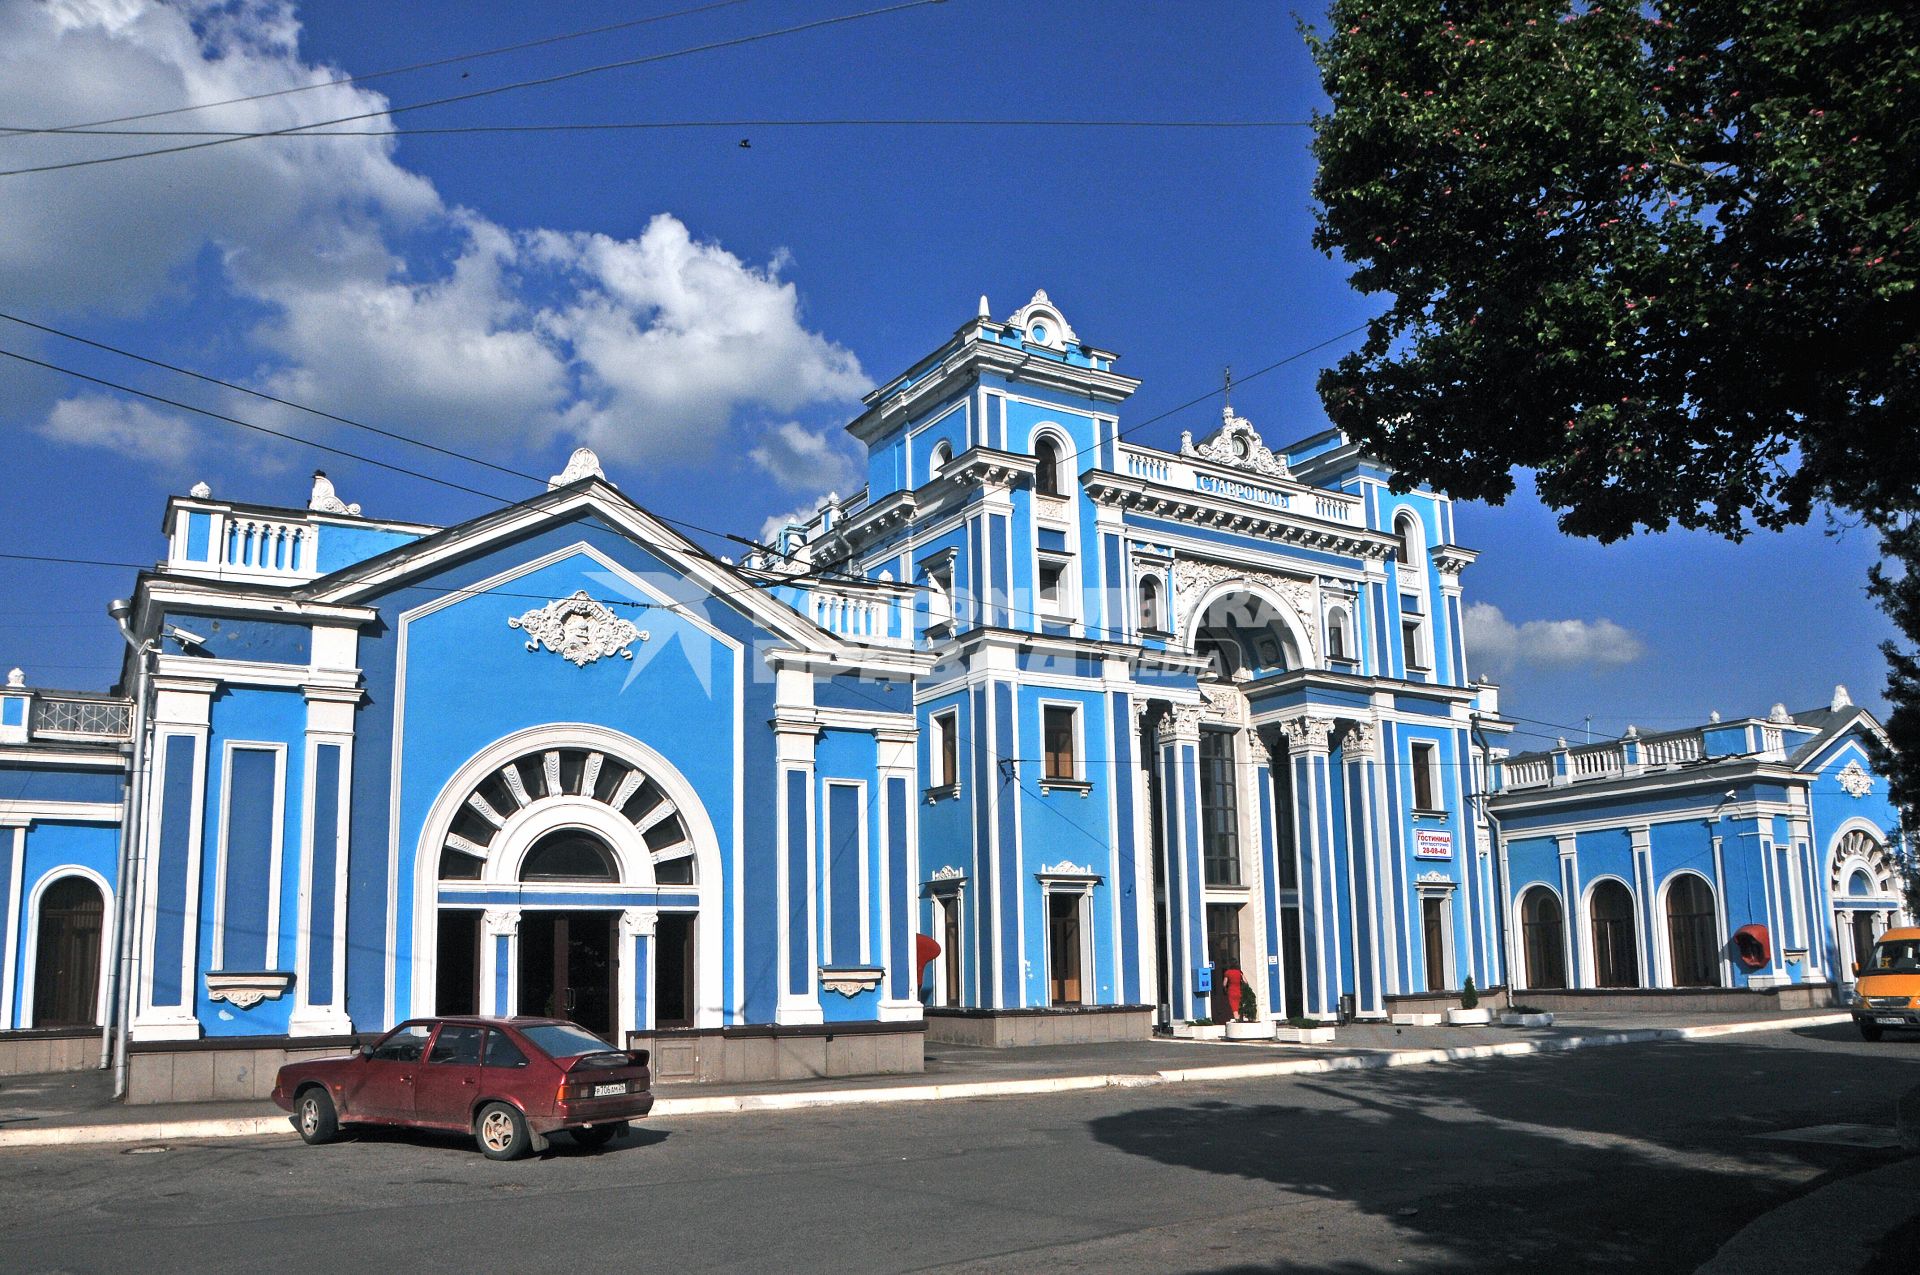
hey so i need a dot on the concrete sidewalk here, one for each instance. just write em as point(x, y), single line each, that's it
point(77, 1107)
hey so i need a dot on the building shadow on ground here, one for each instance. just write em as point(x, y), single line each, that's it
point(1537, 1164)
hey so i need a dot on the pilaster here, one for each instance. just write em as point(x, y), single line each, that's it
point(636, 1012)
point(1179, 744)
point(172, 835)
point(1366, 842)
point(1308, 741)
point(796, 735)
point(320, 957)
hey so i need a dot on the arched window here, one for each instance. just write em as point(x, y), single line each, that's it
point(66, 969)
point(942, 457)
point(1406, 531)
point(568, 854)
point(1691, 931)
point(1339, 638)
point(1545, 938)
point(1151, 619)
point(1616, 961)
point(1046, 470)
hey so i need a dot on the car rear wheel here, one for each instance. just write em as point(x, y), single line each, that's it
point(314, 1116)
point(502, 1132)
point(1871, 1031)
point(599, 1135)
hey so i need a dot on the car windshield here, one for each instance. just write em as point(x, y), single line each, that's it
point(1897, 956)
point(564, 1040)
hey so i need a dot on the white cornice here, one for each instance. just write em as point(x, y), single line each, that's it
point(972, 357)
point(1151, 500)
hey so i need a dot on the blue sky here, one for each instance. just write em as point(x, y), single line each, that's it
point(707, 314)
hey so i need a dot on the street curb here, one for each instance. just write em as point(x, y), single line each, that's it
point(733, 1104)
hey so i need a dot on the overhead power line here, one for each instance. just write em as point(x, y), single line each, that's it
point(623, 64)
point(667, 125)
point(91, 125)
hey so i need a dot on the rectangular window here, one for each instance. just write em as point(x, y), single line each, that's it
point(941, 610)
point(944, 749)
point(1051, 584)
point(1058, 727)
point(1426, 759)
point(1413, 643)
point(1219, 811)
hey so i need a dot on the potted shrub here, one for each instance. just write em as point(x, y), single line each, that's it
point(1249, 1026)
point(1304, 1031)
point(1525, 1016)
point(1470, 1013)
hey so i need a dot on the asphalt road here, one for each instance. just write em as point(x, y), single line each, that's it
point(1648, 1157)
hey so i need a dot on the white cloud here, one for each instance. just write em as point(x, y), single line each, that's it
point(378, 299)
point(1497, 644)
point(133, 430)
point(807, 461)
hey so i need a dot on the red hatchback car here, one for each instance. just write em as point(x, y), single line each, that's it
point(508, 1081)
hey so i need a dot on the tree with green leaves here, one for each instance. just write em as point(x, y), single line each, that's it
point(1663, 255)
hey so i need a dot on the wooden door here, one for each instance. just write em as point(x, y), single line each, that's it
point(66, 971)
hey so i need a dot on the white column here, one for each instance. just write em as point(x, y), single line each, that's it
point(500, 961)
point(636, 1011)
point(330, 713)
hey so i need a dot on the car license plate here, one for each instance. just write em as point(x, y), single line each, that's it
point(1888, 1021)
point(609, 1091)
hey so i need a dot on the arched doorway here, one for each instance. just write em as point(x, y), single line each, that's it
point(1543, 937)
point(562, 871)
point(1692, 932)
point(66, 961)
point(1866, 896)
point(569, 957)
point(1616, 959)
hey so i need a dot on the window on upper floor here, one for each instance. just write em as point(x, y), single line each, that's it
point(1052, 583)
point(1425, 763)
point(943, 748)
point(1058, 727)
point(938, 462)
point(1406, 534)
point(938, 577)
point(1046, 469)
point(1152, 619)
point(1413, 644)
point(1339, 639)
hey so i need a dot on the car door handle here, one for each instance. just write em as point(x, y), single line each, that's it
point(406, 1080)
point(466, 1080)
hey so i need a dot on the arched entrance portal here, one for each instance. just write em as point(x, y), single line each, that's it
point(1866, 895)
point(571, 872)
point(66, 966)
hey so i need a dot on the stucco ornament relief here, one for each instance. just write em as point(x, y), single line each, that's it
point(1192, 580)
point(578, 629)
point(1855, 780)
point(1308, 734)
point(1235, 443)
point(850, 982)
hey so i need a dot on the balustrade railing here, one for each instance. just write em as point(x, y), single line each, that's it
point(1249, 487)
point(872, 617)
point(104, 719)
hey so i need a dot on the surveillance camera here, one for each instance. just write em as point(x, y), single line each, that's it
point(184, 638)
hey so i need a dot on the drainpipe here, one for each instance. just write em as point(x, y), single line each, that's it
point(1499, 858)
point(113, 1046)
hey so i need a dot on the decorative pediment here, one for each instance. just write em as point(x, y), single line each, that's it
point(578, 629)
point(1237, 444)
point(1040, 322)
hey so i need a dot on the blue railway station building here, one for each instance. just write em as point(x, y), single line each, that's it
point(1032, 739)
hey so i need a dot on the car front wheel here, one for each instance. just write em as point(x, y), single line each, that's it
point(502, 1132)
point(315, 1117)
point(598, 1135)
point(1871, 1031)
